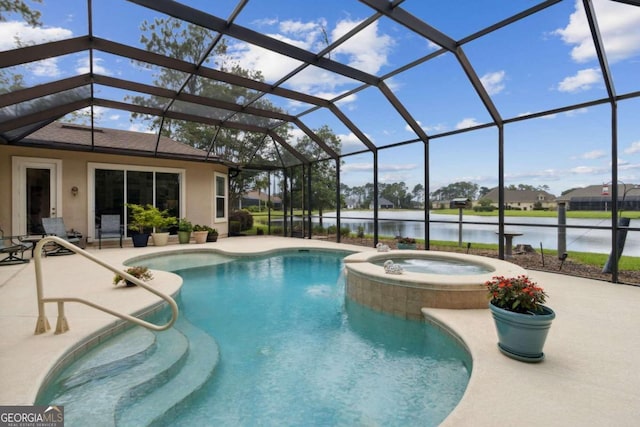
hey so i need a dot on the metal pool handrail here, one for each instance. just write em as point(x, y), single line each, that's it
point(62, 326)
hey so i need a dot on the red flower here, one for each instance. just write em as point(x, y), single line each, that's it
point(518, 294)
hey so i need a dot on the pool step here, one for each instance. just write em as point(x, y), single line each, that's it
point(120, 353)
point(200, 364)
point(96, 399)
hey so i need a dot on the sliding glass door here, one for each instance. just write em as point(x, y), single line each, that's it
point(116, 185)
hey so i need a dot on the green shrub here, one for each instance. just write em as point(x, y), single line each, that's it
point(244, 219)
point(318, 229)
point(483, 208)
point(185, 225)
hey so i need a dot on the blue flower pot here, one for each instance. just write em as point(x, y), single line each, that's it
point(140, 240)
point(522, 336)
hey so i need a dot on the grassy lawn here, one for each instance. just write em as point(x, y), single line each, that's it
point(588, 258)
point(626, 262)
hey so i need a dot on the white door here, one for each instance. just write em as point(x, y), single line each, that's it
point(36, 193)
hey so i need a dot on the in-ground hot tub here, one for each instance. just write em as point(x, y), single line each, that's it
point(430, 279)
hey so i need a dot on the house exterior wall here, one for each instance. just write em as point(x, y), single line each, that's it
point(198, 199)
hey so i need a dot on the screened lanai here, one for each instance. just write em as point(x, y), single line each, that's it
point(372, 92)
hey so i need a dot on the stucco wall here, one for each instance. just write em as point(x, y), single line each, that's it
point(199, 183)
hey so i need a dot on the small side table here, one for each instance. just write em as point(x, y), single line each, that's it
point(33, 240)
point(508, 242)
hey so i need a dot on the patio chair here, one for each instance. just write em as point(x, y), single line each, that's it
point(109, 228)
point(55, 227)
point(11, 249)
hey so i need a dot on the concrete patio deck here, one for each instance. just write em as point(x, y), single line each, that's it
point(589, 376)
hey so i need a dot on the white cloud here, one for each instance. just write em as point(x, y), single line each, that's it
point(428, 129)
point(547, 116)
point(297, 134)
point(347, 101)
point(47, 68)
point(633, 148)
point(583, 170)
point(592, 155)
point(493, 82)
point(573, 113)
point(14, 34)
point(82, 66)
point(583, 80)
point(388, 173)
point(467, 123)
point(394, 167)
point(350, 142)
point(13, 31)
point(357, 167)
point(366, 51)
point(628, 166)
point(619, 25)
point(390, 178)
point(140, 127)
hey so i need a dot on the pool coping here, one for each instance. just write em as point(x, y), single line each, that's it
point(577, 383)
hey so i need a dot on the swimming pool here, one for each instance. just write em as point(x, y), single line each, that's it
point(293, 352)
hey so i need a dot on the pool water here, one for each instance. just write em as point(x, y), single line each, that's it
point(292, 353)
point(438, 266)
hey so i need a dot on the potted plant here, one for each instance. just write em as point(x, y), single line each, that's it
point(149, 217)
point(522, 321)
point(200, 233)
point(161, 222)
point(407, 243)
point(184, 230)
point(139, 272)
point(212, 234)
point(140, 224)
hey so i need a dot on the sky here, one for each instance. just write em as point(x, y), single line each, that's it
point(544, 62)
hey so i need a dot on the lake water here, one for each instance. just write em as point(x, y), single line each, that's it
point(411, 224)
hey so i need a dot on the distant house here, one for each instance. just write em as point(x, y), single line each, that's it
point(524, 200)
point(352, 202)
point(382, 204)
point(598, 198)
point(255, 198)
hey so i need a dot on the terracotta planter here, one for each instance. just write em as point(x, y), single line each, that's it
point(160, 239)
point(200, 236)
point(522, 336)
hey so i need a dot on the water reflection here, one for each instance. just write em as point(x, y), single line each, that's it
point(409, 223)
